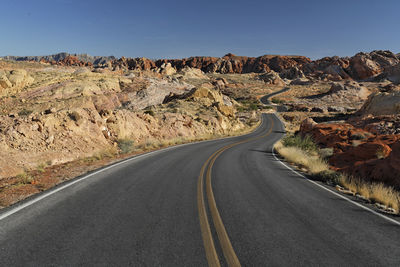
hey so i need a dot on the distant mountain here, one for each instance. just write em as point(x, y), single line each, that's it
point(95, 60)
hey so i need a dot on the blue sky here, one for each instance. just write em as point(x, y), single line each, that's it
point(176, 29)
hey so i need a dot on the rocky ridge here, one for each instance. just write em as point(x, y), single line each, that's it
point(375, 65)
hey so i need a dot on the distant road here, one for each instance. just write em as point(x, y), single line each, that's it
point(216, 202)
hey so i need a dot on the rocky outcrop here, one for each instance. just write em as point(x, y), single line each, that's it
point(13, 81)
point(385, 103)
point(71, 61)
point(271, 78)
point(349, 93)
point(358, 152)
point(228, 64)
point(95, 60)
point(334, 66)
point(167, 69)
point(192, 73)
point(292, 73)
point(393, 74)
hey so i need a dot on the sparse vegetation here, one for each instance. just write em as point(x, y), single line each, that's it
point(75, 116)
point(301, 152)
point(24, 178)
point(41, 167)
point(251, 105)
point(25, 112)
point(125, 145)
point(276, 100)
point(304, 143)
point(150, 112)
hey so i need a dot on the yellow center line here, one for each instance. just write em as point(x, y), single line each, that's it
point(211, 254)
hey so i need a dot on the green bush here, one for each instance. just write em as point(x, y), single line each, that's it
point(125, 145)
point(304, 143)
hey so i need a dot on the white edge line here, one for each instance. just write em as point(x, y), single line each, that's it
point(329, 190)
point(47, 194)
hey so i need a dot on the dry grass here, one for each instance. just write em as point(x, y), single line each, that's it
point(373, 192)
point(313, 163)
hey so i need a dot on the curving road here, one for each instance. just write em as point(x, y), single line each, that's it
point(223, 202)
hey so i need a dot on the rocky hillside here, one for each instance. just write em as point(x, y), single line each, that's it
point(84, 58)
point(60, 114)
point(374, 66)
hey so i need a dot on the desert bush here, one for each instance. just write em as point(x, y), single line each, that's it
point(24, 178)
point(75, 116)
point(150, 112)
point(25, 112)
point(276, 100)
point(125, 145)
point(41, 167)
point(291, 149)
point(304, 143)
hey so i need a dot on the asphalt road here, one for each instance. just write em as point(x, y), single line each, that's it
point(158, 210)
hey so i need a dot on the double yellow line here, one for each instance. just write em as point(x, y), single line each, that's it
point(227, 249)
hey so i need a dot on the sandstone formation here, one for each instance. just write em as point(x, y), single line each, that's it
point(13, 81)
point(359, 152)
point(385, 103)
point(272, 77)
point(377, 64)
point(70, 113)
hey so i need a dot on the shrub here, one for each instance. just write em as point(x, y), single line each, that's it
point(75, 116)
point(304, 143)
point(24, 178)
point(276, 100)
point(25, 112)
point(125, 145)
point(41, 167)
point(253, 106)
point(150, 112)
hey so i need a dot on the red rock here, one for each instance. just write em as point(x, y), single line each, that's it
point(358, 152)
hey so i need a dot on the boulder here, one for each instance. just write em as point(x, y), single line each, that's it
point(385, 103)
point(167, 69)
point(4, 82)
point(271, 78)
point(292, 73)
point(307, 125)
point(192, 73)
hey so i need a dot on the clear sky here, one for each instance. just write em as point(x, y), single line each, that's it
point(176, 29)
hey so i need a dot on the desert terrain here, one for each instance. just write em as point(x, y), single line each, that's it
point(63, 115)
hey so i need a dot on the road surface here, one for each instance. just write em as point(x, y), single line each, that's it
point(223, 202)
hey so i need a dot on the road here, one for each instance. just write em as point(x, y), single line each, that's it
point(214, 203)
